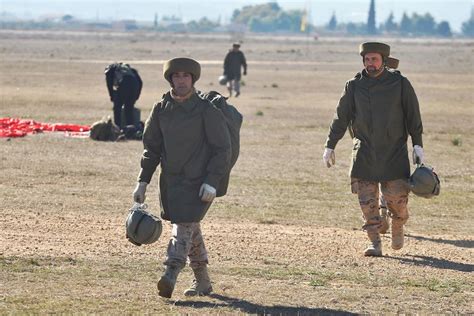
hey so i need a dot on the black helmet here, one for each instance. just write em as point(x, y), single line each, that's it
point(424, 182)
point(141, 226)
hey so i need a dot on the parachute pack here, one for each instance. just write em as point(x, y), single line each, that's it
point(234, 122)
point(104, 130)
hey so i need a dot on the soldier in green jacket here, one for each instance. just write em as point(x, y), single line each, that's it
point(381, 109)
point(188, 136)
point(234, 61)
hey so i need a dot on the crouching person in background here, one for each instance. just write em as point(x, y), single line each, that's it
point(124, 86)
point(188, 136)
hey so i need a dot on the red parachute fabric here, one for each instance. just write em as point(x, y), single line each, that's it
point(14, 127)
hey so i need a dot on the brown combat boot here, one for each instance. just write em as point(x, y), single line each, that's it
point(167, 281)
point(201, 284)
point(397, 235)
point(385, 220)
point(375, 247)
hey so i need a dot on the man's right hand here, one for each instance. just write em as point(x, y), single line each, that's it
point(139, 192)
point(329, 157)
point(418, 155)
point(207, 193)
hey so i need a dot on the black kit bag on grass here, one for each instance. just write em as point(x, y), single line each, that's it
point(234, 122)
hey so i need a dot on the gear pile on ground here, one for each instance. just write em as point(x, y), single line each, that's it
point(14, 127)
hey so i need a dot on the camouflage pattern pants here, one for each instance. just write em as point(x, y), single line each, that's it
point(395, 194)
point(186, 242)
point(234, 85)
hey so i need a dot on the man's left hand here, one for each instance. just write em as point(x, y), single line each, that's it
point(207, 193)
point(329, 157)
point(245, 72)
point(418, 155)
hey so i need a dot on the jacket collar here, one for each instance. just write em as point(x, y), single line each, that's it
point(188, 104)
point(380, 78)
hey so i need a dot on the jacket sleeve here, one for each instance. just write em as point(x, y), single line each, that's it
point(140, 82)
point(152, 143)
point(218, 138)
point(244, 62)
point(109, 79)
point(411, 109)
point(226, 63)
point(342, 117)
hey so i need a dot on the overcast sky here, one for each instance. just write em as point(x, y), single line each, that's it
point(453, 11)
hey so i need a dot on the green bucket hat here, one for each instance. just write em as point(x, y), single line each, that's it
point(374, 47)
point(181, 64)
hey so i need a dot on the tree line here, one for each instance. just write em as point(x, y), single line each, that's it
point(414, 25)
point(270, 17)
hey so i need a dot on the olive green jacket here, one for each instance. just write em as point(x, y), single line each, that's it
point(191, 142)
point(381, 112)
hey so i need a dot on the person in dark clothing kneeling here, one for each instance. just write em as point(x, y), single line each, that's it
point(124, 86)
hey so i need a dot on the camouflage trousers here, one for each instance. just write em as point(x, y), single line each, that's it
point(395, 194)
point(186, 242)
point(234, 85)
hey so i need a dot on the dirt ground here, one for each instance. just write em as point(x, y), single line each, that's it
point(287, 238)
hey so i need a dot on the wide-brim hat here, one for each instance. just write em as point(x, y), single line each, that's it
point(374, 47)
point(236, 44)
point(181, 64)
point(392, 62)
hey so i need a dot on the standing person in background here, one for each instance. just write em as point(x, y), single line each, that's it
point(233, 63)
point(124, 86)
point(381, 108)
point(189, 137)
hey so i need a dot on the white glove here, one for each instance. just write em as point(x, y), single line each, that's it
point(329, 157)
point(139, 192)
point(207, 193)
point(418, 155)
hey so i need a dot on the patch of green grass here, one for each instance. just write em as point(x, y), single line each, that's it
point(318, 282)
point(457, 141)
point(64, 284)
point(18, 264)
point(267, 221)
point(259, 113)
point(435, 285)
point(273, 270)
point(268, 272)
point(274, 85)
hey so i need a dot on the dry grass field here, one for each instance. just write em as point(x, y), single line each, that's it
point(286, 240)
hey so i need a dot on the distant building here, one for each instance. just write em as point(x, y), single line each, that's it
point(124, 25)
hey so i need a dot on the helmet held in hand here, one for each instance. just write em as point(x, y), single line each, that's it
point(222, 80)
point(424, 182)
point(141, 226)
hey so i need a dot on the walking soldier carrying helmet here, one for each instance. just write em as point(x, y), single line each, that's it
point(188, 136)
point(381, 109)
